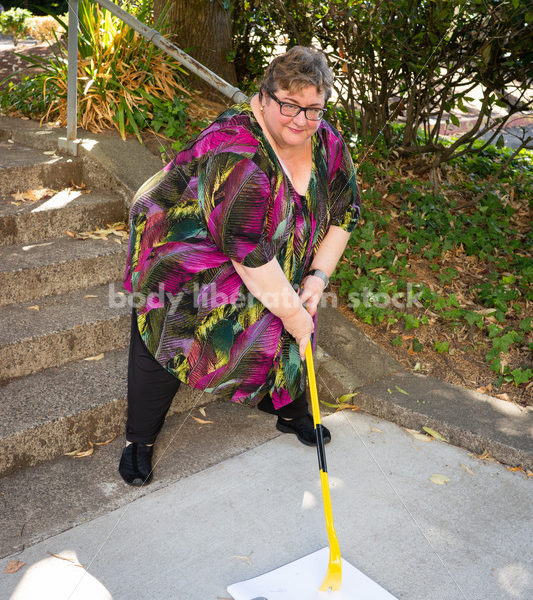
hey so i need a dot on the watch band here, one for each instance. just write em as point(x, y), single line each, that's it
point(321, 275)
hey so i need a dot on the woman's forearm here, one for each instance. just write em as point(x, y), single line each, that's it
point(270, 286)
point(330, 250)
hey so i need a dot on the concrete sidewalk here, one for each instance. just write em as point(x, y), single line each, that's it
point(467, 539)
point(233, 499)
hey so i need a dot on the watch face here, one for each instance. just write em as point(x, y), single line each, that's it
point(321, 275)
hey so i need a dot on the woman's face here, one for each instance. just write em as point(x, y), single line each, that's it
point(291, 132)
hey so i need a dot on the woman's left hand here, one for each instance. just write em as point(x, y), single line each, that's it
point(311, 292)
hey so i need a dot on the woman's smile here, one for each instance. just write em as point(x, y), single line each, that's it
point(291, 132)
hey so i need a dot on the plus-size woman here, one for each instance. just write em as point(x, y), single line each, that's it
point(259, 205)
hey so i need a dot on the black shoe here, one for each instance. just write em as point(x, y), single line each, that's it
point(304, 429)
point(136, 464)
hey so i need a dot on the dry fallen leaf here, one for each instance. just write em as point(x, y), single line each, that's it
point(34, 307)
point(90, 296)
point(118, 229)
point(70, 560)
point(376, 430)
point(32, 246)
point(505, 397)
point(439, 479)
point(19, 197)
point(347, 407)
point(245, 558)
point(81, 453)
point(30, 196)
point(13, 566)
point(434, 434)
point(485, 456)
point(202, 412)
point(467, 469)
point(201, 421)
point(86, 453)
point(516, 469)
point(97, 357)
point(106, 442)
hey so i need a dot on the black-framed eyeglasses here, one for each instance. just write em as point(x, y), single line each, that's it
point(291, 110)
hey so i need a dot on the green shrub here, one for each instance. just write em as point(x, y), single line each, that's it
point(121, 75)
point(13, 22)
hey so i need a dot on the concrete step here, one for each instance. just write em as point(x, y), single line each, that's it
point(58, 266)
point(54, 496)
point(65, 328)
point(68, 210)
point(23, 168)
point(46, 414)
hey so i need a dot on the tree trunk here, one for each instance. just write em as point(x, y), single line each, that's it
point(202, 28)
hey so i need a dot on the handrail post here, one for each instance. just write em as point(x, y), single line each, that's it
point(70, 144)
point(187, 61)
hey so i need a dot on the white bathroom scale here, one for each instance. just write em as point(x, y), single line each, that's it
point(300, 580)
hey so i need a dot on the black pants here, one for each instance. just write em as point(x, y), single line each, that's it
point(151, 389)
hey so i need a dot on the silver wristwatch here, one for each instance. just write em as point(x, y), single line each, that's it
point(321, 275)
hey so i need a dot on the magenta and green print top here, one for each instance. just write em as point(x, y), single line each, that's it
point(226, 196)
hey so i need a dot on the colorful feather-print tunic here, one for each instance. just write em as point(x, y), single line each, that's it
point(226, 196)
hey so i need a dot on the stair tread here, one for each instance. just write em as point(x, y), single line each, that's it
point(17, 155)
point(61, 312)
point(57, 251)
point(59, 392)
point(75, 199)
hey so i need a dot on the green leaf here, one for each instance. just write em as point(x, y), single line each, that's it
point(454, 120)
point(399, 389)
point(411, 322)
point(417, 345)
point(525, 325)
point(434, 434)
point(328, 404)
point(496, 365)
point(494, 330)
point(521, 375)
point(472, 317)
point(345, 397)
point(441, 347)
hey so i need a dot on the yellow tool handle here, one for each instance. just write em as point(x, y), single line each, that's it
point(333, 579)
point(312, 384)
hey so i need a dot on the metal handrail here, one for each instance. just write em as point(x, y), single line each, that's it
point(69, 144)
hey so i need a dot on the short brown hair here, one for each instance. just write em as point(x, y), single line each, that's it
point(299, 67)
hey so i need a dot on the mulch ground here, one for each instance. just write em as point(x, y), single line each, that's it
point(12, 64)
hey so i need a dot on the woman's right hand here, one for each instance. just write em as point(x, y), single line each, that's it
point(300, 325)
